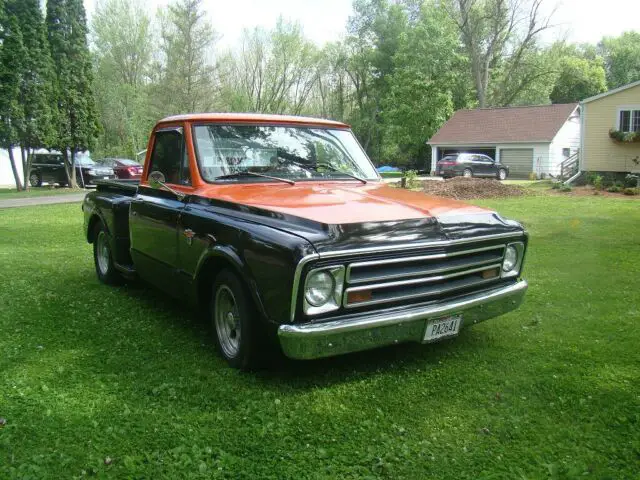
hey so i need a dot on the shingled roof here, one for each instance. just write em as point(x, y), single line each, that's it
point(504, 125)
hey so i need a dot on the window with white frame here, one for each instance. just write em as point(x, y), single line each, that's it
point(629, 120)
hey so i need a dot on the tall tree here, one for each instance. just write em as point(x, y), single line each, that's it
point(123, 55)
point(500, 38)
point(11, 110)
point(579, 77)
point(187, 77)
point(77, 119)
point(35, 81)
point(622, 57)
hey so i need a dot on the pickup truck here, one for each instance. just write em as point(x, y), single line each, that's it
point(280, 229)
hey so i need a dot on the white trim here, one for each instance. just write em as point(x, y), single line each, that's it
point(583, 119)
point(487, 144)
point(611, 92)
point(630, 108)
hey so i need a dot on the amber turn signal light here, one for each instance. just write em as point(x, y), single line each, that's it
point(359, 296)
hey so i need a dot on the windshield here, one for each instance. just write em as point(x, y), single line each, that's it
point(294, 153)
point(84, 159)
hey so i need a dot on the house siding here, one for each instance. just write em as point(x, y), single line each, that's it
point(568, 137)
point(6, 174)
point(599, 152)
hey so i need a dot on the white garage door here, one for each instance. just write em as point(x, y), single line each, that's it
point(519, 161)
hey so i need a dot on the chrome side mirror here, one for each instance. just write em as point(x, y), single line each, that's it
point(156, 180)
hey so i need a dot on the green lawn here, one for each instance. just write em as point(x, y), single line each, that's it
point(7, 193)
point(122, 383)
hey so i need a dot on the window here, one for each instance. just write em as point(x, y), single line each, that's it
point(566, 152)
point(170, 157)
point(629, 121)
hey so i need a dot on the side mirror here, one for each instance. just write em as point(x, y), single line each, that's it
point(156, 179)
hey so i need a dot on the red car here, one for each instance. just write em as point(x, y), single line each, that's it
point(123, 167)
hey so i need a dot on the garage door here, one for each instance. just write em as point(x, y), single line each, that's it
point(519, 161)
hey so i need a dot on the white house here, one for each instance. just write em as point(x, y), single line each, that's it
point(527, 139)
point(6, 174)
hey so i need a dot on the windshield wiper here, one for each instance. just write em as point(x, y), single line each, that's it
point(331, 168)
point(254, 174)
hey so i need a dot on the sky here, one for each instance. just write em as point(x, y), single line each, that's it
point(325, 20)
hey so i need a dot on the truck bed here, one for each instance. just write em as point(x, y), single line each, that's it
point(123, 187)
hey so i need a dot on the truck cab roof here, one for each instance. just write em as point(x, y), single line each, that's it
point(253, 118)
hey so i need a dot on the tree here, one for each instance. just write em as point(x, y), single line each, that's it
point(35, 81)
point(500, 38)
point(123, 56)
point(11, 110)
point(187, 76)
point(77, 119)
point(579, 79)
point(622, 58)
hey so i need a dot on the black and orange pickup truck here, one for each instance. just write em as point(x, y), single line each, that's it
point(281, 230)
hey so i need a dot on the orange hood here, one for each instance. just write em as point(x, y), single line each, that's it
point(340, 203)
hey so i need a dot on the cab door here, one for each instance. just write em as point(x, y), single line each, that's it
point(155, 212)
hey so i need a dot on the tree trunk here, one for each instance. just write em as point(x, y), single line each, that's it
point(74, 180)
point(26, 166)
point(16, 177)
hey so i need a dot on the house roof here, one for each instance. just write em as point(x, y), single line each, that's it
point(504, 125)
point(611, 92)
point(252, 118)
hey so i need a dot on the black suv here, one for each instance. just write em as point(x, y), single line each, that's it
point(471, 165)
point(49, 168)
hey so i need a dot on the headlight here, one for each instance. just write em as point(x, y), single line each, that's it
point(513, 257)
point(92, 172)
point(323, 290)
point(510, 259)
point(319, 288)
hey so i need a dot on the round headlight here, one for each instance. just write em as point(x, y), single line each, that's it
point(510, 259)
point(320, 286)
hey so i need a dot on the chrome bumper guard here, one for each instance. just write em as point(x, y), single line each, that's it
point(336, 337)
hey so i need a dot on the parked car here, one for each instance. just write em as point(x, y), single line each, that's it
point(471, 165)
point(280, 229)
point(123, 168)
point(49, 167)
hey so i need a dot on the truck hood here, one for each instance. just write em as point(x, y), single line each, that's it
point(348, 215)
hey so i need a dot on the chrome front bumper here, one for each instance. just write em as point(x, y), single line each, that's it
point(335, 337)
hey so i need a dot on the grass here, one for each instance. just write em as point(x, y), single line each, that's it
point(392, 174)
point(8, 193)
point(122, 383)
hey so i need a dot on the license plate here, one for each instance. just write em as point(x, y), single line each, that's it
point(442, 328)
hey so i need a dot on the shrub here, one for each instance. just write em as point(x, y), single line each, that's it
point(614, 188)
point(565, 188)
point(556, 185)
point(412, 178)
point(631, 181)
point(533, 176)
point(597, 182)
point(591, 176)
point(631, 191)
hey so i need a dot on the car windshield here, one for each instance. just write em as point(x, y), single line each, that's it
point(293, 153)
point(84, 159)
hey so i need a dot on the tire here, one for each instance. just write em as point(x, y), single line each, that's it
point(234, 319)
point(502, 174)
point(467, 173)
point(35, 180)
point(103, 257)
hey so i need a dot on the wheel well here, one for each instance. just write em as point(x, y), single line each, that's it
point(91, 230)
point(206, 276)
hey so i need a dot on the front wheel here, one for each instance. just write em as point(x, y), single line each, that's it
point(467, 173)
point(103, 258)
point(502, 174)
point(234, 317)
point(35, 180)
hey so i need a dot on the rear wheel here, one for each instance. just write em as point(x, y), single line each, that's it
point(103, 258)
point(502, 174)
point(467, 173)
point(35, 180)
point(234, 318)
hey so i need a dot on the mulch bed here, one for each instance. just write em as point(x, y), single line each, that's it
point(462, 188)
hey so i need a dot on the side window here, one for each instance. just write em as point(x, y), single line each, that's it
point(169, 156)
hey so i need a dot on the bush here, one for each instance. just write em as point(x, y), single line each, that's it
point(556, 185)
point(631, 191)
point(412, 178)
point(565, 188)
point(533, 176)
point(597, 182)
point(614, 188)
point(631, 181)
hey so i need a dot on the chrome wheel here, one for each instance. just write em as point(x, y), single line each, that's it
point(102, 253)
point(502, 174)
point(227, 321)
point(467, 173)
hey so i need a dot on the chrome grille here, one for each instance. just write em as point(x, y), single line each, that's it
point(425, 276)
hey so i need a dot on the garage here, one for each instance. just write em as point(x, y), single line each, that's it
point(519, 161)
